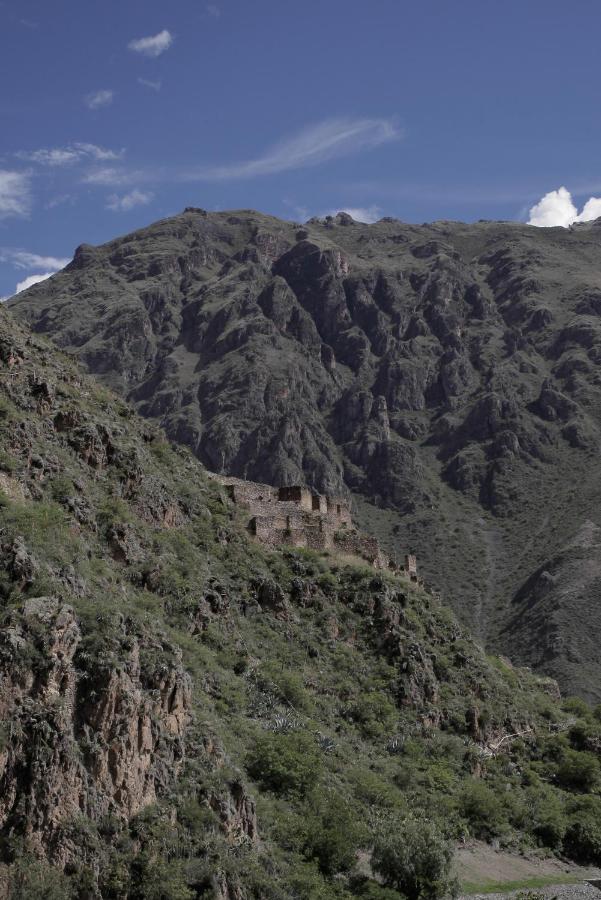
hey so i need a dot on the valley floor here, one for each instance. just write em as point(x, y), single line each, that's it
point(482, 870)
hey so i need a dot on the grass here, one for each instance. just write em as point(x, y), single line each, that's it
point(502, 887)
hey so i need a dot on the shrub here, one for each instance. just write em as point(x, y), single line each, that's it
point(334, 833)
point(288, 764)
point(157, 879)
point(413, 857)
point(584, 734)
point(304, 880)
point(582, 840)
point(287, 685)
point(7, 462)
point(576, 706)
point(547, 818)
point(483, 810)
point(369, 788)
point(374, 713)
point(371, 890)
point(579, 771)
point(32, 879)
point(61, 488)
point(328, 582)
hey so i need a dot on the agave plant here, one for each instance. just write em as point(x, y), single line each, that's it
point(325, 743)
point(395, 744)
point(283, 724)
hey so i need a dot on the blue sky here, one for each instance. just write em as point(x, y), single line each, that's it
point(114, 114)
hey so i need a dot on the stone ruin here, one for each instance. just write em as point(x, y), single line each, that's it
point(295, 516)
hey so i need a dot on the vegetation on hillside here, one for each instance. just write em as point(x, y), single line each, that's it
point(305, 728)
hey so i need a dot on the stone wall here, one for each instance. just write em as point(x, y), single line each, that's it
point(293, 515)
point(299, 495)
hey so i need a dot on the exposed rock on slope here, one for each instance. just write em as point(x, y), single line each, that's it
point(445, 372)
point(556, 619)
point(84, 738)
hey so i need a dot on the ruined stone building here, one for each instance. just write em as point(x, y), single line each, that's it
point(298, 517)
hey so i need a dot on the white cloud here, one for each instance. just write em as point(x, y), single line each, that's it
point(59, 200)
point(213, 10)
point(153, 45)
point(128, 201)
point(22, 259)
point(108, 176)
point(558, 208)
point(366, 214)
point(153, 85)
point(69, 155)
point(15, 194)
point(555, 208)
point(31, 280)
point(313, 145)
point(60, 156)
point(591, 210)
point(97, 99)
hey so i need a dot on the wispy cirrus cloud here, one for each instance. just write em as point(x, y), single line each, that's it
point(69, 155)
point(27, 283)
point(15, 193)
point(31, 280)
point(23, 259)
point(109, 176)
point(315, 144)
point(153, 45)
point(98, 99)
point(149, 83)
point(128, 201)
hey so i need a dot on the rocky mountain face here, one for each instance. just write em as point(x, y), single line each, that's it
point(186, 714)
point(445, 375)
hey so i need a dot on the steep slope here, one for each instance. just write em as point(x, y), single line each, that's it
point(446, 375)
point(187, 715)
point(557, 614)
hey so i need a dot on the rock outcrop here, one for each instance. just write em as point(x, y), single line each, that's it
point(81, 737)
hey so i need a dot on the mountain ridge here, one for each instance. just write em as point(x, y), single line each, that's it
point(443, 375)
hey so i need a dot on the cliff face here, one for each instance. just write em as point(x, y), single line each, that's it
point(82, 738)
point(445, 375)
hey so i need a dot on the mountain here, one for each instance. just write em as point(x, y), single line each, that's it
point(187, 714)
point(444, 375)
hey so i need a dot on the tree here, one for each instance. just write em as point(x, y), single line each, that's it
point(579, 771)
point(33, 879)
point(413, 857)
point(334, 833)
point(483, 810)
point(288, 764)
point(582, 840)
